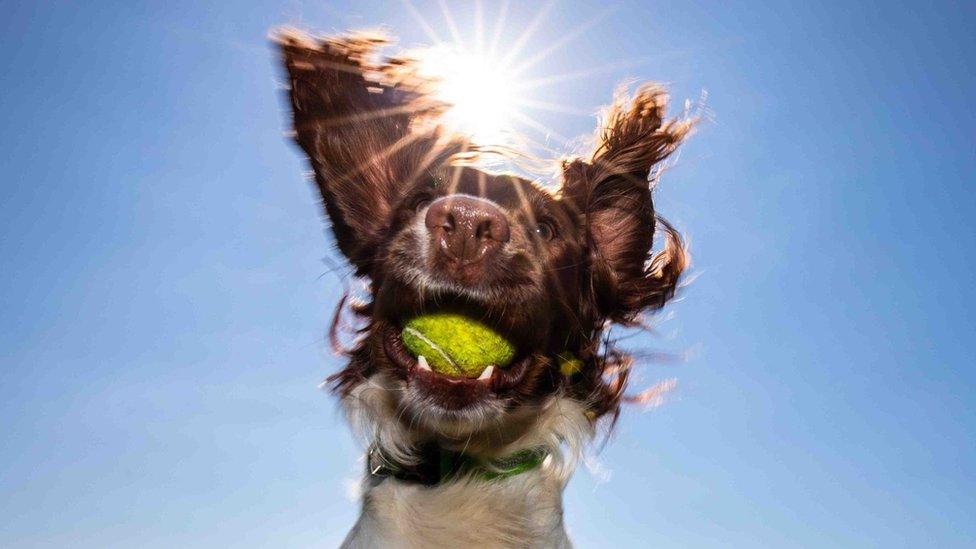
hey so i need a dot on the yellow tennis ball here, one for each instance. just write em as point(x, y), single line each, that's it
point(456, 345)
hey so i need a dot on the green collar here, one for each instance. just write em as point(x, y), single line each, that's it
point(438, 465)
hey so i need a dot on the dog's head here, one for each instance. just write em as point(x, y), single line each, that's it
point(549, 268)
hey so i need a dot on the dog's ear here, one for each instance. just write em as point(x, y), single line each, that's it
point(612, 191)
point(357, 120)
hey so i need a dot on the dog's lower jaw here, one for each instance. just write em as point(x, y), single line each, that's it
point(524, 510)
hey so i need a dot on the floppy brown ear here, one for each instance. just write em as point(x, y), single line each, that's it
point(612, 190)
point(355, 119)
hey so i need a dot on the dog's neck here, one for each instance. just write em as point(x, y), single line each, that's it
point(523, 509)
point(435, 465)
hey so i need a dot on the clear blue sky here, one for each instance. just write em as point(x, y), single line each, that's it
point(164, 294)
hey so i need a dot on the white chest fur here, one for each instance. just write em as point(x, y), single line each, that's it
point(524, 510)
point(520, 511)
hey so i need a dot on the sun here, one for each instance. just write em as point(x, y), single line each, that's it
point(485, 76)
point(478, 90)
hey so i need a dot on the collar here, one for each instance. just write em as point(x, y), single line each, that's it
point(438, 465)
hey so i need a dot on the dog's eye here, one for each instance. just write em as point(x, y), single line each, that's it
point(545, 230)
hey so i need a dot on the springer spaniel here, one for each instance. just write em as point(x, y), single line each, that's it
point(456, 461)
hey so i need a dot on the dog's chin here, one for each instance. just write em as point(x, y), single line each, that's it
point(454, 406)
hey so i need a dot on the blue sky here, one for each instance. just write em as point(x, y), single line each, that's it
point(164, 294)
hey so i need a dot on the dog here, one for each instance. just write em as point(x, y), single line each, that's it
point(457, 462)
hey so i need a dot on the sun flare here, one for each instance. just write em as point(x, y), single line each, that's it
point(486, 75)
point(479, 91)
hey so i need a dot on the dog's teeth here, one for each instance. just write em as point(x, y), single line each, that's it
point(422, 363)
point(486, 374)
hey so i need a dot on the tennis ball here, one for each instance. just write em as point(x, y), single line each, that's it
point(569, 365)
point(456, 345)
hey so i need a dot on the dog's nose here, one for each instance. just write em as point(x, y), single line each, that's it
point(467, 228)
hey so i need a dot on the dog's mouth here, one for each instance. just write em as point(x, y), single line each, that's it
point(453, 391)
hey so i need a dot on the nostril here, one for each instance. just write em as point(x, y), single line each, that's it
point(448, 223)
point(494, 227)
point(483, 230)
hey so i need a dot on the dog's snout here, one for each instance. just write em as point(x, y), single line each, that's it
point(467, 228)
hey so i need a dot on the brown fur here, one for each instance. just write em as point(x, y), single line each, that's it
point(370, 132)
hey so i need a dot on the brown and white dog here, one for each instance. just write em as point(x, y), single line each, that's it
point(457, 462)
